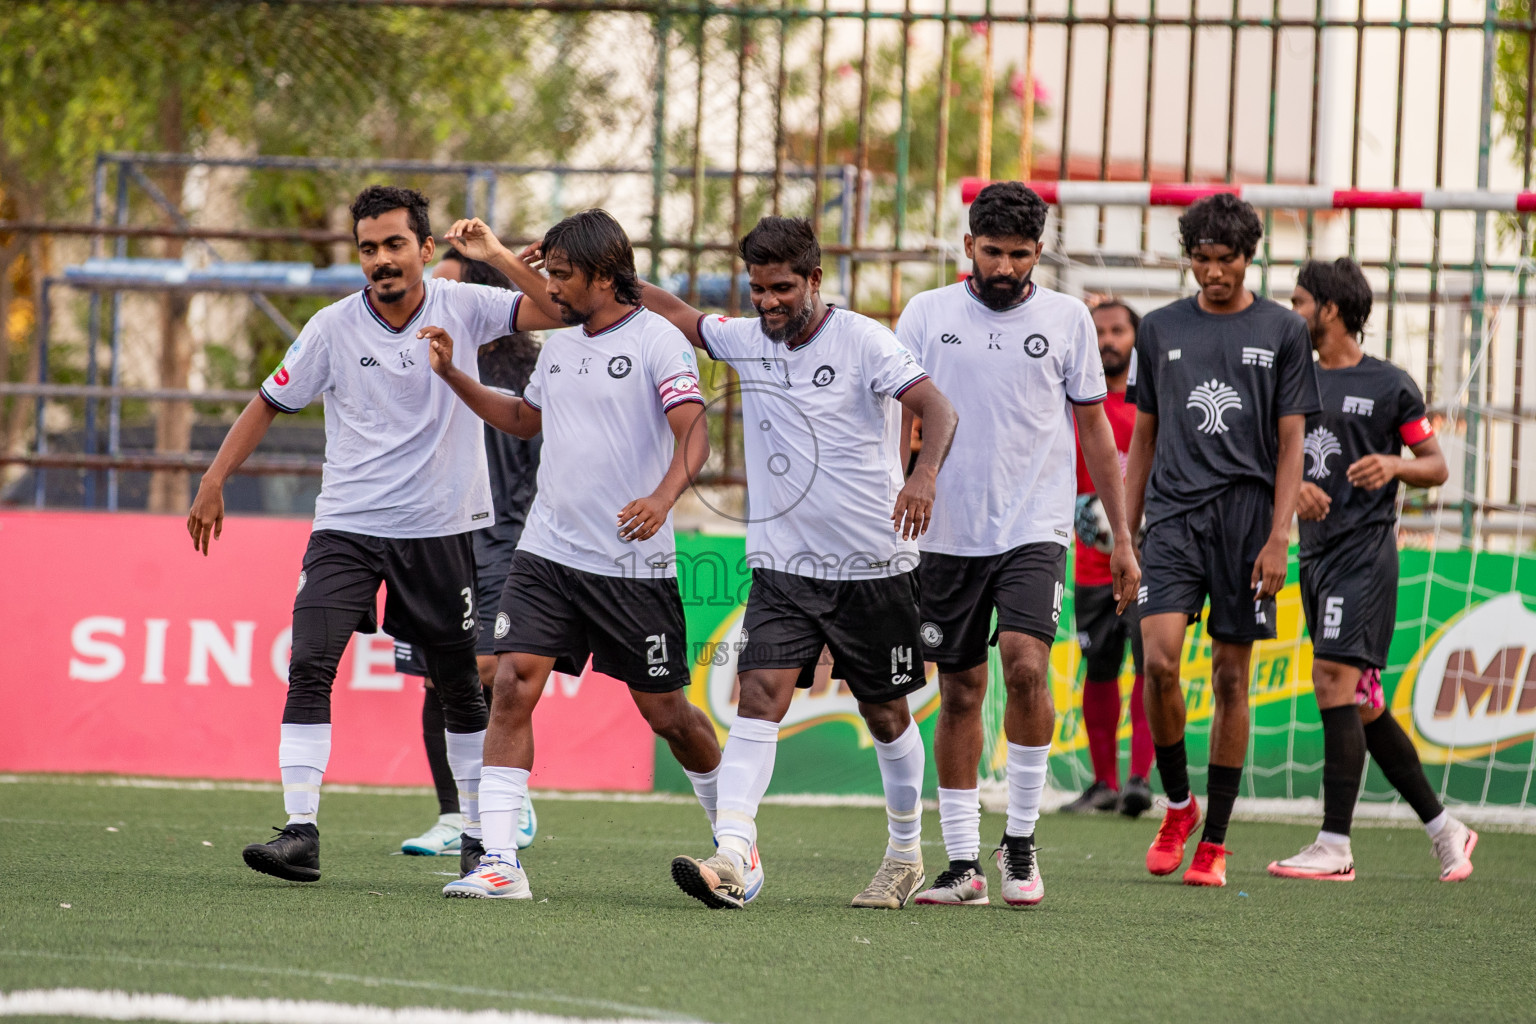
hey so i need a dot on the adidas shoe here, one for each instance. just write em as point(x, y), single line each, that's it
point(1454, 847)
point(1209, 866)
point(1321, 861)
point(1097, 797)
point(527, 824)
point(752, 878)
point(440, 839)
point(1167, 851)
point(496, 878)
point(1136, 797)
point(962, 884)
point(715, 882)
point(1022, 884)
point(893, 885)
point(471, 850)
point(293, 854)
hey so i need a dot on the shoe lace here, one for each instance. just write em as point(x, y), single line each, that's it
point(885, 879)
point(950, 876)
point(1020, 859)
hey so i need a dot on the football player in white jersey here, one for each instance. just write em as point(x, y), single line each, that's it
point(1021, 363)
point(616, 395)
point(405, 483)
point(831, 536)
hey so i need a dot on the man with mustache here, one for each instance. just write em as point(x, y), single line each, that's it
point(405, 486)
point(1022, 363)
point(830, 536)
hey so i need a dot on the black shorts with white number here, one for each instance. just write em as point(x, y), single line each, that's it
point(1102, 634)
point(1211, 551)
point(632, 628)
point(869, 625)
point(491, 567)
point(1349, 596)
point(1024, 586)
point(430, 581)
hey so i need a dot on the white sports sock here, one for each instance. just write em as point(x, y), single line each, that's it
point(1179, 805)
point(303, 751)
point(464, 753)
point(706, 787)
point(960, 821)
point(1026, 783)
point(502, 792)
point(901, 773)
point(1333, 839)
point(746, 766)
point(1434, 826)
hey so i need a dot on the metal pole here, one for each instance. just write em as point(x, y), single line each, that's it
point(40, 477)
point(115, 406)
point(93, 330)
point(1475, 338)
point(659, 139)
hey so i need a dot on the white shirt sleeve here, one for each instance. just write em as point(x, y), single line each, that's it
point(533, 391)
point(305, 371)
point(889, 368)
point(490, 312)
point(1082, 369)
point(722, 335)
point(912, 329)
point(672, 368)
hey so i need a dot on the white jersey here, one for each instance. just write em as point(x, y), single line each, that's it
point(605, 398)
point(821, 427)
point(403, 456)
point(1013, 377)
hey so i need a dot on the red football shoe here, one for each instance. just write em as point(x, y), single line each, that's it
point(1167, 851)
point(1209, 866)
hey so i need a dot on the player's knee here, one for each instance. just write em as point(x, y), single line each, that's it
point(1229, 685)
point(514, 694)
point(668, 719)
point(1162, 670)
point(485, 664)
point(962, 694)
point(1023, 675)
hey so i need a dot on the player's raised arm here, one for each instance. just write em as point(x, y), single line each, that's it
point(1097, 438)
point(205, 522)
point(474, 238)
point(642, 517)
point(683, 316)
point(914, 505)
point(506, 413)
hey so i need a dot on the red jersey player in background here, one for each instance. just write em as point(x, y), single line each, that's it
point(1100, 632)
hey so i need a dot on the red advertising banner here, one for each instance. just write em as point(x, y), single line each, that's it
point(125, 651)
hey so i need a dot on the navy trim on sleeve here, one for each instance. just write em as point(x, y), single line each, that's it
point(274, 403)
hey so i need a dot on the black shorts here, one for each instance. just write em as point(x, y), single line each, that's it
point(633, 629)
point(1025, 586)
point(870, 626)
point(490, 577)
point(1210, 551)
point(1349, 596)
point(431, 584)
point(1102, 634)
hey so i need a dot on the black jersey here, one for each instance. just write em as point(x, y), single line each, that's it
point(1218, 385)
point(512, 461)
point(1371, 408)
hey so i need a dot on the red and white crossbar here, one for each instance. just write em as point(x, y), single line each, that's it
point(1278, 197)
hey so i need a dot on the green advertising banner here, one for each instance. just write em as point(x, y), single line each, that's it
point(1461, 679)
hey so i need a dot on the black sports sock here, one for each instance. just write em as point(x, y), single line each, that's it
point(1173, 769)
point(1399, 762)
point(1343, 764)
point(437, 752)
point(1220, 793)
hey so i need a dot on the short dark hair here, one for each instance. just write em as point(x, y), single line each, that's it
point(478, 271)
point(597, 246)
point(789, 240)
point(1113, 303)
point(1221, 219)
point(1342, 283)
point(380, 199)
point(1008, 209)
point(507, 362)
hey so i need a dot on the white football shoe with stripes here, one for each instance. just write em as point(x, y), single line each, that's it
point(497, 878)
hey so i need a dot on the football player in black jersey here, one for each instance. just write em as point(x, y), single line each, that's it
point(1348, 512)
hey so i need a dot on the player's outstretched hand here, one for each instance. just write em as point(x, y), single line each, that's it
point(474, 238)
point(206, 520)
point(1126, 574)
point(1373, 471)
point(641, 518)
point(1313, 503)
point(914, 506)
point(1269, 568)
point(440, 351)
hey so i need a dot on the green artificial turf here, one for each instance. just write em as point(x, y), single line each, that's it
point(152, 908)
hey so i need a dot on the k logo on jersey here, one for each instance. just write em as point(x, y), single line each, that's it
point(619, 367)
point(1317, 448)
point(1036, 346)
point(932, 634)
point(1214, 399)
point(823, 376)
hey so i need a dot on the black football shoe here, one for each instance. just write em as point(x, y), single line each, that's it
point(293, 854)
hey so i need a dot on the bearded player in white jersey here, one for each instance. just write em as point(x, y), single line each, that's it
point(1021, 363)
point(616, 396)
point(831, 537)
point(405, 483)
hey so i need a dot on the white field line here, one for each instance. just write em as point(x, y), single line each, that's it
point(112, 1005)
point(628, 1010)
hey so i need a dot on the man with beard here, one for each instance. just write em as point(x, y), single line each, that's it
point(830, 536)
point(616, 395)
point(405, 485)
point(1348, 511)
point(1101, 632)
point(1022, 364)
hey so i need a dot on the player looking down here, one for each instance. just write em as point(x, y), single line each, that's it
point(831, 539)
point(1349, 567)
point(1021, 363)
point(616, 395)
point(1223, 381)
